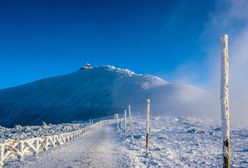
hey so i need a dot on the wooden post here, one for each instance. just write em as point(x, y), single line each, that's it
point(138, 117)
point(36, 144)
point(1, 155)
point(115, 118)
point(46, 143)
point(21, 150)
point(225, 102)
point(148, 126)
point(121, 123)
point(130, 122)
point(117, 122)
point(125, 121)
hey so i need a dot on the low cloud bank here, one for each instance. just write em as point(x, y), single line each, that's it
point(229, 16)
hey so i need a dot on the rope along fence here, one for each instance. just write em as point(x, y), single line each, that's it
point(18, 149)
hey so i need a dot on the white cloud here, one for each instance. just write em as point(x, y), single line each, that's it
point(231, 17)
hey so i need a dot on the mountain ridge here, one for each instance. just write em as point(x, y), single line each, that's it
point(84, 94)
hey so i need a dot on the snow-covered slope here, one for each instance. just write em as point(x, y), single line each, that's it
point(185, 143)
point(91, 93)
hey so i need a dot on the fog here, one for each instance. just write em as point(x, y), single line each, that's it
point(233, 21)
point(228, 17)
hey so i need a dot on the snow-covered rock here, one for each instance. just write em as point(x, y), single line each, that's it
point(92, 93)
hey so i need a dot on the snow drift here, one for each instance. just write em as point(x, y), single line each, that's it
point(93, 93)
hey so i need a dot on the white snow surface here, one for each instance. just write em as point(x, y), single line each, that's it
point(186, 143)
point(99, 148)
point(26, 132)
point(119, 70)
point(174, 142)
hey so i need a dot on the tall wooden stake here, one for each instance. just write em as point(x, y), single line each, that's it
point(117, 122)
point(225, 102)
point(130, 121)
point(138, 117)
point(125, 121)
point(115, 119)
point(147, 126)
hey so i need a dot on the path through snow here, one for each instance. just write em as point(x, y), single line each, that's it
point(99, 148)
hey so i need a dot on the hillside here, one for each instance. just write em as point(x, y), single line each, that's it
point(92, 93)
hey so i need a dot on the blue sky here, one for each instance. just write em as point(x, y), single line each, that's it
point(48, 38)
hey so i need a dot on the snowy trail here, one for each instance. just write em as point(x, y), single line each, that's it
point(97, 148)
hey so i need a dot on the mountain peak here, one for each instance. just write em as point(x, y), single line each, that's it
point(91, 92)
point(109, 68)
point(116, 69)
point(146, 81)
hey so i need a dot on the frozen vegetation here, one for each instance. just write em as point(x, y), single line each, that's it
point(25, 132)
point(185, 142)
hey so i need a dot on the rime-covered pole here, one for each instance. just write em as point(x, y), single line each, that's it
point(147, 126)
point(125, 121)
point(225, 115)
point(130, 121)
point(1, 155)
point(138, 117)
point(115, 119)
point(117, 122)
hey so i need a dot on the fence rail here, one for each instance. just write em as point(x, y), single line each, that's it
point(18, 149)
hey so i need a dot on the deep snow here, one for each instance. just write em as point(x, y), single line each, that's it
point(175, 142)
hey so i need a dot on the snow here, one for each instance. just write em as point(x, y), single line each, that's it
point(184, 142)
point(99, 148)
point(119, 70)
point(174, 142)
point(103, 91)
point(224, 98)
point(91, 93)
point(25, 132)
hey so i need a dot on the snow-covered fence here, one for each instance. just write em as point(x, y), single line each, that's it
point(13, 149)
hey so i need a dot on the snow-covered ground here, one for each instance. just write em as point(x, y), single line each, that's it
point(185, 142)
point(25, 132)
point(174, 142)
point(98, 148)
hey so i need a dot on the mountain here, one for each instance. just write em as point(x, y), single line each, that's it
point(92, 93)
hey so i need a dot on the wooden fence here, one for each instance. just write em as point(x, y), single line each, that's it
point(18, 149)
